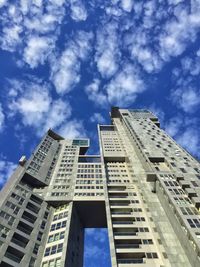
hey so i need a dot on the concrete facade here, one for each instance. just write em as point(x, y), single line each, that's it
point(143, 187)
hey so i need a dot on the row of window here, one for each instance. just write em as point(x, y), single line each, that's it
point(4, 231)
point(58, 225)
point(117, 175)
point(86, 166)
point(89, 194)
point(95, 181)
point(66, 165)
point(60, 187)
point(89, 187)
point(89, 171)
point(64, 170)
point(56, 237)
point(89, 176)
point(53, 250)
point(171, 183)
point(176, 191)
point(194, 223)
point(60, 216)
point(19, 199)
point(63, 174)
point(13, 207)
point(189, 211)
point(118, 181)
point(9, 218)
point(63, 207)
point(21, 191)
point(182, 200)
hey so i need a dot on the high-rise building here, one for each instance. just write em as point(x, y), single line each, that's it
point(143, 187)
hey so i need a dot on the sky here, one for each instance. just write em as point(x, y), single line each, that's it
point(64, 63)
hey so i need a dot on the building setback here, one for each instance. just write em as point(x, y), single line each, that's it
point(143, 187)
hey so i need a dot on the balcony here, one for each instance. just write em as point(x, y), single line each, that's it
point(29, 217)
point(33, 208)
point(19, 240)
point(25, 228)
point(118, 195)
point(121, 211)
point(116, 188)
point(131, 258)
point(36, 199)
point(128, 243)
point(14, 254)
point(130, 261)
point(125, 233)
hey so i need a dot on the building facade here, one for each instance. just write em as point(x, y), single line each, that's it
point(143, 187)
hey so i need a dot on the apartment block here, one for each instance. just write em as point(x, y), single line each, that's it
point(143, 187)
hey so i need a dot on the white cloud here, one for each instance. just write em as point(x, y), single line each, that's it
point(175, 2)
point(107, 54)
point(42, 24)
point(191, 65)
point(179, 31)
point(6, 169)
point(11, 37)
point(127, 5)
point(113, 11)
point(106, 63)
point(24, 19)
point(97, 117)
point(36, 106)
point(125, 86)
point(190, 140)
point(57, 2)
point(2, 3)
point(185, 131)
point(37, 50)
point(137, 42)
point(186, 98)
point(147, 58)
point(82, 44)
point(172, 127)
point(78, 10)
point(72, 129)
point(95, 94)
point(95, 248)
point(2, 118)
point(65, 69)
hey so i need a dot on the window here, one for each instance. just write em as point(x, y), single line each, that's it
point(4, 231)
point(9, 218)
point(35, 250)
point(194, 223)
point(57, 226)
point(39, 237)
point(13, 207)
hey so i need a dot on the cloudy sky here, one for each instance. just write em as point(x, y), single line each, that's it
point(64, 63)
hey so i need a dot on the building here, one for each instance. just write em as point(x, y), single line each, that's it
point(143, 187)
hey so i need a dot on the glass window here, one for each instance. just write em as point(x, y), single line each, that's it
point(53, 250)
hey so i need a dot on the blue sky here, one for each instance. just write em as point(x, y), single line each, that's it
point(64, 63)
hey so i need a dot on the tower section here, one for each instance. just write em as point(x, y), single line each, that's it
point(142, 186)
